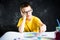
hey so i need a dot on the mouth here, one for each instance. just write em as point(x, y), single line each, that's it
point(28, 16)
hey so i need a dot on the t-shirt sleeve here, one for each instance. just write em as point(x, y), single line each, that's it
point(38, 22)
point(19, 22)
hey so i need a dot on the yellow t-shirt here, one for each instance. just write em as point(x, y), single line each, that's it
point(31, 26)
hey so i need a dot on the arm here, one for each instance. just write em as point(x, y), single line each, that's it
point(42, 28)
point(21, 28)
point(22, 25)
point(40, 24)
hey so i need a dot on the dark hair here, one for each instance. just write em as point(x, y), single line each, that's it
point(24, 4)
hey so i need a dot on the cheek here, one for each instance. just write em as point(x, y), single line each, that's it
point(30, 13)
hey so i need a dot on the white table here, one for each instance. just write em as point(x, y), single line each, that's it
point(27, 36)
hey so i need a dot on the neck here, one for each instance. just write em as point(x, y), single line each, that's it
point(28, 19)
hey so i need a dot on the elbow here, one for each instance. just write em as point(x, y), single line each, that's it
point(20, 30)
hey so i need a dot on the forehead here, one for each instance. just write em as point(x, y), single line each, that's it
point(26, 8)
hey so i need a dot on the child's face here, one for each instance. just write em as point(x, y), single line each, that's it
point(28, 11)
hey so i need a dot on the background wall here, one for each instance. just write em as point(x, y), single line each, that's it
point(47, 10)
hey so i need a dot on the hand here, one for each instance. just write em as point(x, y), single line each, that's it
point(23, 15)
point(42, 28)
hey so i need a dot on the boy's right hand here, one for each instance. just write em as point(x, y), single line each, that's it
point(23, 15)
